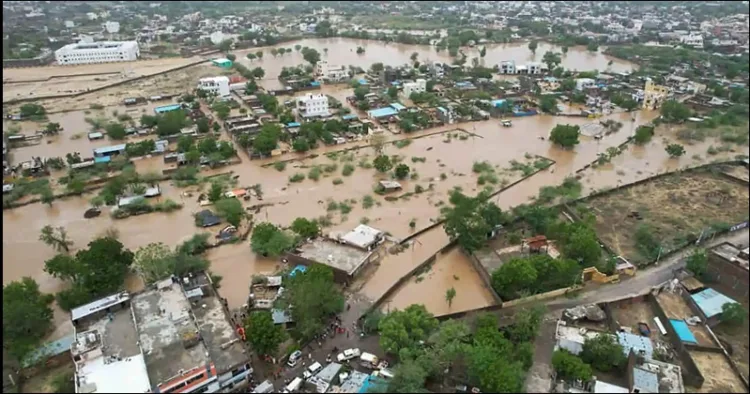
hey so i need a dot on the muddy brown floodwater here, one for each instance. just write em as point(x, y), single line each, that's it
point(342, 51)
point(451, 270)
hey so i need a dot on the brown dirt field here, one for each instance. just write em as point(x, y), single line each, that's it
point(717, 372)
point(674, 206)
point(738, 172)
point(54, 80)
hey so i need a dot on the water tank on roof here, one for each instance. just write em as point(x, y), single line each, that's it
point(92, 337)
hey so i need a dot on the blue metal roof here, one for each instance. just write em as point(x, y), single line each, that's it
point(103, 159)
point(710, 301)
point(109, 149)
point(635, 342)
point(443, 110)
point(49, 349)
point(314, 83)
point(683, 331)
point(382, 112)
point(363, 81)
point(398, 106)
point(498, 102)
point(167, 108)
point(293, 124)
point(350, 117)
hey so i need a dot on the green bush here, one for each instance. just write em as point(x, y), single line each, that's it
point(298, 177)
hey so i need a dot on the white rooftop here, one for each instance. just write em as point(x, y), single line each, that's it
point(98, 305)
point(98, 376)
point(362, 236)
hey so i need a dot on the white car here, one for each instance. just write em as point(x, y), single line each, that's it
point(312, 370)
point(348, 354)
point(294, 358)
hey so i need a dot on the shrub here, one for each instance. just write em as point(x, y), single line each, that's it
point(298, 177)
point(280, 166)
point(347, 170)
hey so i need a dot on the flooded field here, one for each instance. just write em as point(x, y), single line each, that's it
point(450, 270)
point(54, 80)
point(342, 51)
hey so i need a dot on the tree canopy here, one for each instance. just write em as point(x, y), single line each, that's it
point(313, 298)
point(603, 352)
point(262, 334)
point(231, 210)
point(94, 272)
point(530, 275)
point(565, 135)
point(27, 317)
point(156, 261)
point(306, 228)
point(407, 328)
point(471, 219)
point(675, 150)
point(269, 240)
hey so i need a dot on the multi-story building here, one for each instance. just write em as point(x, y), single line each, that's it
point(99, 52)
point(692, 40)
point(654, 95)
point(312, 105)
point(418, 86)
point(173, 337)
point(215, 85)
point(508, 67)
point(331, 73)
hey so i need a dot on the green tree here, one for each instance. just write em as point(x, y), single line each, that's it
point(471, 219)
point(393, 92)
point(548, 104)
point(513, 278)
point(93, 272)
point(231, 210)
point(225, 45)
point(533, 45)
point(269, 240)
point(263, 335)
point(697, 263)
point(216, 192)
point(184, 143)
point(526, 324)
point(258, 73)
point(401, 171)
point(259, 54)
point(603, 352)
point(406, 329)
point(27, 317)
point(592, 46)
point(551, 59)
point(56, 237)
point(149, 120)
point(202, 125)
point(673, 111)
point(643, 134)
point(675, 150)
point(360, 92)
point(268, 138)
point(570, 367)
point(450, 294)
point(313, 298)
point(565, 135)
point(153, 262)
point(382, 163)
point(483, 52)
point(581, 244)
point(408, 377)
point(732, 313)
point(311, 56)
point(170, 123)
point(231, 56)
point(306, 228)
point(52, 128)
point(47, 196)
point(301, 145)
point(414, 56)
point(360, 50)
point(297, 47)
point(115, 131)
point(251, 87)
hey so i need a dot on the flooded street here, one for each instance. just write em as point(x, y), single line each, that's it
point(342, 51)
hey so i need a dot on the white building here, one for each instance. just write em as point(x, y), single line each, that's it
point(215, 85)
point(70, 24)
point(692, 40)
point(418, 86)
point(312, 105)
point(331, 73)
point(100, 52)
point(508, 67)
point(112, 27)
point(584, 83)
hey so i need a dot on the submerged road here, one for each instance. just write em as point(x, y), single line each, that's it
point(538, 379)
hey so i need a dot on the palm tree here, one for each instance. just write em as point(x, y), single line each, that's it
point(56, 237)
point(450, 294)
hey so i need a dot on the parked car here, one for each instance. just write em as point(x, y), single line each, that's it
point(368, 360)
point(348, 354)
point(293, 386)
point(294, 358)
point(312, 370)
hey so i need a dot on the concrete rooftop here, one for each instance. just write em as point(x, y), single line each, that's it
point(163, 318)
point(333, 254)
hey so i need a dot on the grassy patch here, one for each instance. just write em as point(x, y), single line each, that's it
point(298, 177)
point(279, 166)
point(402, 143)
point(337, 181)
point(347, 170)
point(368, 202)
point(415, 159)
point(314, 173)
